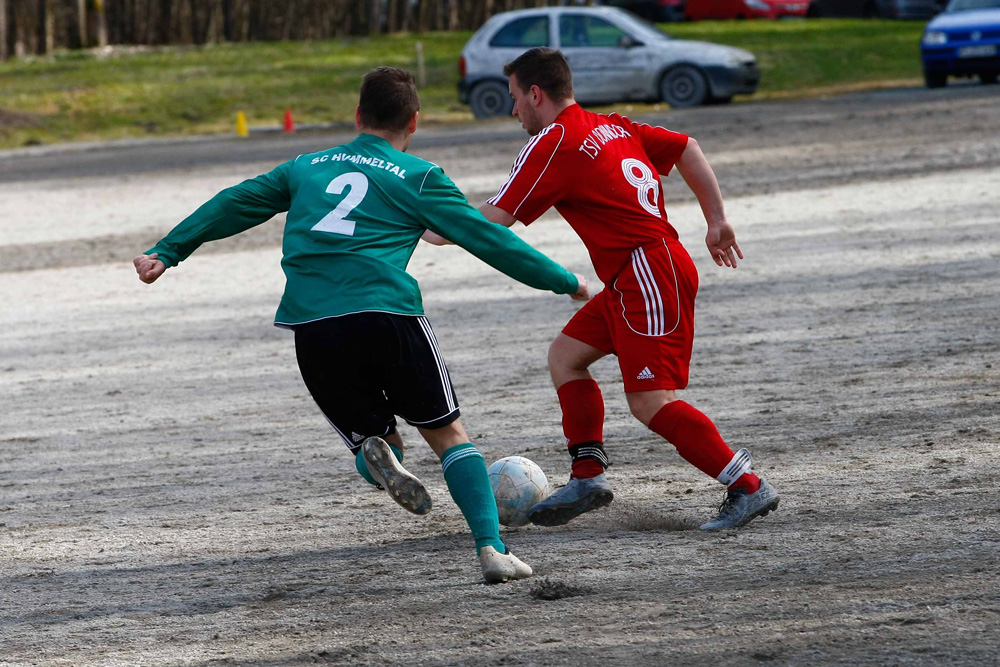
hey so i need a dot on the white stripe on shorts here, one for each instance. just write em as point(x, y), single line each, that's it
point(442, 369)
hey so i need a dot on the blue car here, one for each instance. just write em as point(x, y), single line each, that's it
point(962, 41)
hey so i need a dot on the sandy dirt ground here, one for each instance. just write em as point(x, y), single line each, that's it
point(170, 495)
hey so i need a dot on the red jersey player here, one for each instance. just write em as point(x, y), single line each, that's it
point(602, 174)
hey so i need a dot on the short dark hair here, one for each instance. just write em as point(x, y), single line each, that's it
point(543, 67)
point(388, 99)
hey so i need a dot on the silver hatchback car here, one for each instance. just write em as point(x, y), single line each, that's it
point(615, 56)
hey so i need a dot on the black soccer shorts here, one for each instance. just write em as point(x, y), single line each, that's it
point(363, 369)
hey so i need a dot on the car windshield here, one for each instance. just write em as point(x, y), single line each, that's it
point(968, 5)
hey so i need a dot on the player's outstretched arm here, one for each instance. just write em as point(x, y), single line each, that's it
point(698, 174)
point(149, 267)
point(497, 215)
point(434, 239)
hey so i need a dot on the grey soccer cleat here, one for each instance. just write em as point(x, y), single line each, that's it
point(569, 502)
point(500, 568)
point(404, 488)
point(739, 507)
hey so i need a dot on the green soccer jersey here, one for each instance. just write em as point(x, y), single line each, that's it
point(355, 214)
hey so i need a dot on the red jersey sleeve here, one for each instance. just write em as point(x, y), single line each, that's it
point(663, 147)
point(535, 183)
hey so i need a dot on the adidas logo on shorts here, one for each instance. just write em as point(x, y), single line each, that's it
point(646, 374)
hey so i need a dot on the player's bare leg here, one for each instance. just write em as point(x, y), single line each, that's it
point(698, 441)
point(583, 425)
point(469, 484)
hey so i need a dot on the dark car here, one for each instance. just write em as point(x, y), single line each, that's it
point(963, 41)
point(889, 9)
point(843, 9)
point(910, 9)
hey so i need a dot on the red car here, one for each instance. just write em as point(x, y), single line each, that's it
point(745, 9)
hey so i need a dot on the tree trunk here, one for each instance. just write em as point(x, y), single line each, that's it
point(163, 29)
point(102, 24)
point(41, 24)
point(227, 20)
point(4, 28)
point(199, 22)
point(81, 22)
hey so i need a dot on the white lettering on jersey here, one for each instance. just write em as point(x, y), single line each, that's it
point(390, 167)
point(601, 135)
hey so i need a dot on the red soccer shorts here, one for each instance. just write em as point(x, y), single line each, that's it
point(646, 317)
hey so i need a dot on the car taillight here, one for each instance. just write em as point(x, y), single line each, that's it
point(461, 66)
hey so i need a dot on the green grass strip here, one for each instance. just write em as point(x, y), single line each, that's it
point(175, 91)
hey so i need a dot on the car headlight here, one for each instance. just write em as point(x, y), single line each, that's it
point(759, 5)
point(935, 38)
point(739, 60)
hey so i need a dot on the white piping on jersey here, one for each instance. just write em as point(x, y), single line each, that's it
point(292, 325)
point(518, 163)
point(654, 304)
point(537, 180)
point(442, 369)
point(433, 166)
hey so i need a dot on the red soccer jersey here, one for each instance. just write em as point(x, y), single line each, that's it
point(602, 174)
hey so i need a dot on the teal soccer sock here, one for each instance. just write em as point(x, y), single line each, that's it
point(362, 465)
point(469, 484)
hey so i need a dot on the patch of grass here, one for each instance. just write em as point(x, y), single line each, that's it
point(819, 54)
point(177, 90)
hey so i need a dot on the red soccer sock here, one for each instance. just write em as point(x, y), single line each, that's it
point(583, 421)
point(698, 441)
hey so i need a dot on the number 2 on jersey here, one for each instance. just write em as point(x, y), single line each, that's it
point(645, 182)
point(336, 221)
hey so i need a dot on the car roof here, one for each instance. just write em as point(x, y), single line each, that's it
point(561, 10)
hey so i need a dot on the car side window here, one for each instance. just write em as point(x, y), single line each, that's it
point(580, 30)
point(527, 32)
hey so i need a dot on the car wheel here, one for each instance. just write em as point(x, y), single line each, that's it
point(489, 99)
point(935, 79)
point(683, 86)
point(988, 79)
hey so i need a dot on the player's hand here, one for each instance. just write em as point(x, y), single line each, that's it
point(583, 292)
point(149, 267)
point(721, 242)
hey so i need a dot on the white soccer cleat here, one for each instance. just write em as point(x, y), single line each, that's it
point(500, 568)
point(404, 488)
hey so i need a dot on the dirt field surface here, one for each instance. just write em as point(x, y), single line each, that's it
point(170, 495)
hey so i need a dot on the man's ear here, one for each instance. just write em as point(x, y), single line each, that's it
point(537, 95)
point(413, 123)
point(357, 116)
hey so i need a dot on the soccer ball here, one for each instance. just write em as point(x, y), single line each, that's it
point(518, 485)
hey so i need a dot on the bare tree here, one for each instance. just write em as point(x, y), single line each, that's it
point(41, 23)
point(4, 54)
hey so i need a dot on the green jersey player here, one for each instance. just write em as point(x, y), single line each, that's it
point(364, 348)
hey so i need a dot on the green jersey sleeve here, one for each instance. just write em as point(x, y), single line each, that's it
point(230, 212)
point(445, 211)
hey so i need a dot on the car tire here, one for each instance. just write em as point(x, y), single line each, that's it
point(683, 87)
point(935, 79)
point(489, 99)
point(988, 79)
